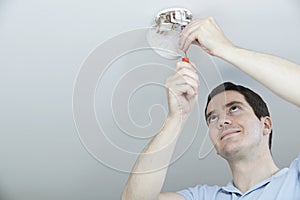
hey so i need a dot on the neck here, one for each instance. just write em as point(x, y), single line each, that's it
point(249, 171)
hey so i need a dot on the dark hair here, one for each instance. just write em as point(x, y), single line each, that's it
point(253, 99)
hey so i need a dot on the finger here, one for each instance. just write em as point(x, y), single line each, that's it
point(184, 90)
point(186, 80)
point(191, 82)
point(187, 40)
point(187, 36)
point(190, 70)
point(180, 79)
point(190, 93)
point(183, 80)
point(189, 73)
point(189, 26)
point(184, 71)
point(181, 65)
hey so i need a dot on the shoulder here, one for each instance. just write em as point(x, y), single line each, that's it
point(295, 165)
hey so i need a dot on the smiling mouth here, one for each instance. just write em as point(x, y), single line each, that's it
point(228, 133)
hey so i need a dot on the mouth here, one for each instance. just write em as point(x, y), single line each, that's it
point(228, 133)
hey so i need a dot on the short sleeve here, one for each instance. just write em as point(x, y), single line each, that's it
point(199, 192)
point(190, 193)
point(295, 167)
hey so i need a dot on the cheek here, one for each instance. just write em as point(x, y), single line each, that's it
point(213, 135)
point(255, 128)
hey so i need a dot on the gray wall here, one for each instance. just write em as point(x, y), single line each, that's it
point(79, 101)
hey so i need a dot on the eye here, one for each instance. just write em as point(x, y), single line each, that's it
point(212, 118)
point(234, 108)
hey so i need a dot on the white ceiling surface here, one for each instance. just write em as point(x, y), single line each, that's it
point(43, 45)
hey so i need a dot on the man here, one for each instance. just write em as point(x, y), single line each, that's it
point(238, 120)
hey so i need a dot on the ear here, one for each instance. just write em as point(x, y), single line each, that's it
point(267, 125)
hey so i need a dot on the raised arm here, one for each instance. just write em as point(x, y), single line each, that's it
point(149, 172)
point(278, 74)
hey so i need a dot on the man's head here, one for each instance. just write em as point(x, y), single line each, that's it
point(247, 97)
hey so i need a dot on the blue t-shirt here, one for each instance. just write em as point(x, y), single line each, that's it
point(284, 185)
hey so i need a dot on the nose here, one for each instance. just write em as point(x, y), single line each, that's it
point(224, 120)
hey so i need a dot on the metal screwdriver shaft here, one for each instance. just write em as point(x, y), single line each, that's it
point(185, 58)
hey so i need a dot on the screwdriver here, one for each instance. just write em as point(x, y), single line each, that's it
point(185, 58)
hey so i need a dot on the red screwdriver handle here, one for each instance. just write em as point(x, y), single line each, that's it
point(185, 59)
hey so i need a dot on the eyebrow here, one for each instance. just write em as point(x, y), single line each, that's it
point(226, 106)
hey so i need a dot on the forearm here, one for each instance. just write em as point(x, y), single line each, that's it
point(278, 74)
point(149, 172)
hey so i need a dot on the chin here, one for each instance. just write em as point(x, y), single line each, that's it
point(229, 152)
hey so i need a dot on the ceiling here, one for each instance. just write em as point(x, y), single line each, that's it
point(82, 93)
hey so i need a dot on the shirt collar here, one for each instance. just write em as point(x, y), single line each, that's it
point(230, 188)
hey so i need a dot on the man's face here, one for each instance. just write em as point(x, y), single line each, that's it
point(233, 126)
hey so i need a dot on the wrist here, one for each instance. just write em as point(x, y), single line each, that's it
point(176, 119)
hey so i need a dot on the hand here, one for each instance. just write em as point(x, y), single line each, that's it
point(182, 90)
point(205, 33)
